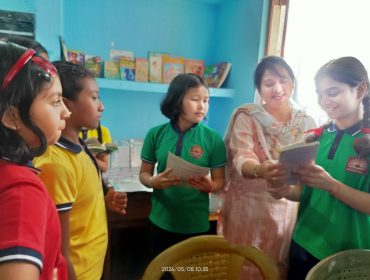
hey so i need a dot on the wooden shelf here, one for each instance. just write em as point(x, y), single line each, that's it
point(153, 87)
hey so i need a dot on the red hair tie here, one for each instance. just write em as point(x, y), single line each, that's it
point(365, 130)
point(316, 131)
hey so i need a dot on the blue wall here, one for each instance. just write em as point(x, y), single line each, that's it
point(48, 20)
point(215, 31)
point(241, 29)
point(182, 28)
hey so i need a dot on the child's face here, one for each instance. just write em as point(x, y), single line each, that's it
point(87, 108)
point(276, 90)
point(49, 113)
point(339, 100)
point(195, 105)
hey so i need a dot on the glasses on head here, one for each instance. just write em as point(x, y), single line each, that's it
point(22, 61)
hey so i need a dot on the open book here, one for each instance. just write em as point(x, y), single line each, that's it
point(297, 154)
point(183, 168)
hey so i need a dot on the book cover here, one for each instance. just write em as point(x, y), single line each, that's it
point(116, 55)
point(127, 68)
point(76, 57)
point(141, 69)
point(297, 154)
point(111, 69)
point(194, 66)
point(171, 67)
point(216, 74)
point(63, 49)
point(155, 67)
point(93, 64)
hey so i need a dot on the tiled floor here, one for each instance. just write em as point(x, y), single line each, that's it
point(129, 255)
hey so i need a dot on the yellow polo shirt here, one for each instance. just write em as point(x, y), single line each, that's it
point(73, 180)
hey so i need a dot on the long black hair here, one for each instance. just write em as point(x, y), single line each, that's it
point(20, 94)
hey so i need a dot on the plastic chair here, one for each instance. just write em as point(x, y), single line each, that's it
point(208, 257)
point(348, 264)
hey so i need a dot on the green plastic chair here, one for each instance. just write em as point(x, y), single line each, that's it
point(345, 265)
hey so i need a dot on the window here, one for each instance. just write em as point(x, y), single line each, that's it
point(318, 31)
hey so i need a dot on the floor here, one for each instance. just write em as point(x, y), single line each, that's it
point(129, 255)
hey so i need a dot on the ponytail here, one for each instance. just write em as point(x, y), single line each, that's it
point(362, 145)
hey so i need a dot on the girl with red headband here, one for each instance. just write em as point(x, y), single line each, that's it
point(32, 115)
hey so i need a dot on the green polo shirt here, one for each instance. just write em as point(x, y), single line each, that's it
point(182, 209)
point(325, 225)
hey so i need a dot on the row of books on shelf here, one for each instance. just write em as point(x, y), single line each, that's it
point(157, 68)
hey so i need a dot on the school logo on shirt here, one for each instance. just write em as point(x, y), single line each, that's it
point(196, 151)
point(357, 165)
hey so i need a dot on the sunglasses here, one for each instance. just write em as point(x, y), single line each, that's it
point(22, 61)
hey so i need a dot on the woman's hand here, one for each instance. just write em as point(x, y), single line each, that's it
point(315, 176)
point(274, 173)
point(116, 201)
point(203, 184)
point(164, 180)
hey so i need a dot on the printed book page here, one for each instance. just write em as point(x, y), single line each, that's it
point(183, 168)
point(297, 154)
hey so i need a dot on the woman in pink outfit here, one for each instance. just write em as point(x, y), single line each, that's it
point(250, 215)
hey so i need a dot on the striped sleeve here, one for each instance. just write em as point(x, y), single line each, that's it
point(21, 254)
point(23, 223)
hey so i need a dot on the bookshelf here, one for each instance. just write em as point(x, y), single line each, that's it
point(130, 86)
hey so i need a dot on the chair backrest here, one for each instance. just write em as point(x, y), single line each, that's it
point(348, 264)
point(208, 257)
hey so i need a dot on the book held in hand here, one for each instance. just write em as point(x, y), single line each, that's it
point(297, 154)
point(183, 168)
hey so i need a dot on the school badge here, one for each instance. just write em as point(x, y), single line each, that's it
point(196, 151)
point(357, 165)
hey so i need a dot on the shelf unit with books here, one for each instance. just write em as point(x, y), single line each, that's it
point(131, 86)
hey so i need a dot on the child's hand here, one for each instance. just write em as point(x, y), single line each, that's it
point(278, 191)
point(164, 180)
point(203, 184)
point(116, 201)
point(315, 176)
